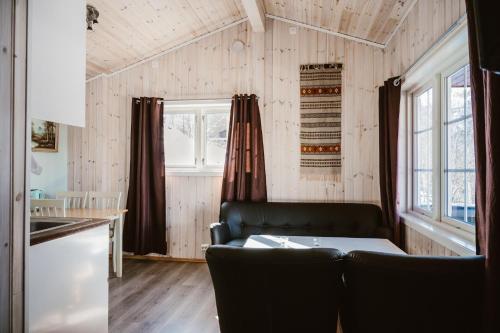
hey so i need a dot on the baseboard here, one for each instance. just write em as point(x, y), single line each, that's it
point(163, 258)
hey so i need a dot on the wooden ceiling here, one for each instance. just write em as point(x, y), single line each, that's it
point(132, 30)
point(373, 20)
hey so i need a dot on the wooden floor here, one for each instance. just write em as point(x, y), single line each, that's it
point(159, 296)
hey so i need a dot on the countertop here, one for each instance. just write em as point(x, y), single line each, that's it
point(76, 225)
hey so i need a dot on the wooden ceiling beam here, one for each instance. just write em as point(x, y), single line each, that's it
point(256, 14)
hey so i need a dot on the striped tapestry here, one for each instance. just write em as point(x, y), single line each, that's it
point(320, 119)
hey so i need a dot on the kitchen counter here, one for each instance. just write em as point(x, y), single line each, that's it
point(68, 275)
point(62, 226)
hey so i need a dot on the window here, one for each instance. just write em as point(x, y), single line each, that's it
point(459, 169)
point(196, 135)
point(443, 162)
point(422, 140)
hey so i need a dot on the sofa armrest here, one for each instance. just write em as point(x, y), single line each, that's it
point(219, 233)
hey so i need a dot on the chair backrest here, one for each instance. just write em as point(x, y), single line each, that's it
point(276, 290)
point(104, 200)
point(73, 199)
point(48, 207)
point(398, 293)
point(304, 219)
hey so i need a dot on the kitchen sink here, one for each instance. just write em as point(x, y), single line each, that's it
point(38, 224)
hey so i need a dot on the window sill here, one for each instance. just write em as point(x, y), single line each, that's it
point(193, 173)
point(459, 241)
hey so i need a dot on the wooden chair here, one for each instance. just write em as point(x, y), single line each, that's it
point(104, 200)
point(107, 200)
point(48, 207)
point(73, 199)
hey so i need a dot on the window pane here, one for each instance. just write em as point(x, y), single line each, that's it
point(424, 190)
point(424, 110)
point(456, 95)
point(460, 177)
point(468, 100)
point(456, 195)
point(422, 140)
point(469, 145)
point(179, 140)
point(456, 145)
point(424, 150)
point(471, 197)
point(216, 129)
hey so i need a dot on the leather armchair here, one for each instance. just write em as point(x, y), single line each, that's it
point(219, 233)
point(411, 294)
point(276, 290)
point(239, 220)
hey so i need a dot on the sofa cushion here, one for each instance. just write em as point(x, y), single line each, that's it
point(303, 219)
point(237, 242)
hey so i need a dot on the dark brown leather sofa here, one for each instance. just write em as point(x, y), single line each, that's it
point(275, 290)
point(389, 293)
point(240, 220)
point(281, 290)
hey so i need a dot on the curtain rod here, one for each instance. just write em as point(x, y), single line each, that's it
point(137, 100)
point(448, 32)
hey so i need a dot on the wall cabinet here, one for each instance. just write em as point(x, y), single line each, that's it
point(56, 60)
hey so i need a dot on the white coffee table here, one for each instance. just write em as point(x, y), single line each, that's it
point(344, 244)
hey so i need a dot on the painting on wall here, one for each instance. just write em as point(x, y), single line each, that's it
point(44, 136)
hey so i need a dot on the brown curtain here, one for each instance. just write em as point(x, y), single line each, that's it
point(486, 116)
point(389, 97)
point(244, 171)
point(145, 222)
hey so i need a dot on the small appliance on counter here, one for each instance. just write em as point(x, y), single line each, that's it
point(37, 194)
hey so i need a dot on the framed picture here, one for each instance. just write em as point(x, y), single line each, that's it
point(44, 136)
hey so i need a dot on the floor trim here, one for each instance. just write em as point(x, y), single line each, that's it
point(163, 258)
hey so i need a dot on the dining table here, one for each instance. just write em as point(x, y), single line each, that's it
point(343, 244)
point(116, 216)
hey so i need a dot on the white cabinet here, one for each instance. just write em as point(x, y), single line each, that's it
point(56, 60)
point(68, 283)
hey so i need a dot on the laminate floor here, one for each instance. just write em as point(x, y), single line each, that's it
point(160, 296)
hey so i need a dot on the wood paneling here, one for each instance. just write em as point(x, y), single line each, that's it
point(6, 138)
point(131, 30)
point(373, 20)
point(418, 244)
point(423, 26)
point(269, 67)
point(20, 183)
point(13, 40)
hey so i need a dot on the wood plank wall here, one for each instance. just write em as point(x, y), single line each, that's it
point(269, 67)
point(425, 23)
point(419, 244)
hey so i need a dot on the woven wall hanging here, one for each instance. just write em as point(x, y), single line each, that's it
point(320, 119)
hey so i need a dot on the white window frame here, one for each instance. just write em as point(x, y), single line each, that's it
point(414, 94)
point(432, 70)
point(200, 108)
point(438, 83)
point(444, 140)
